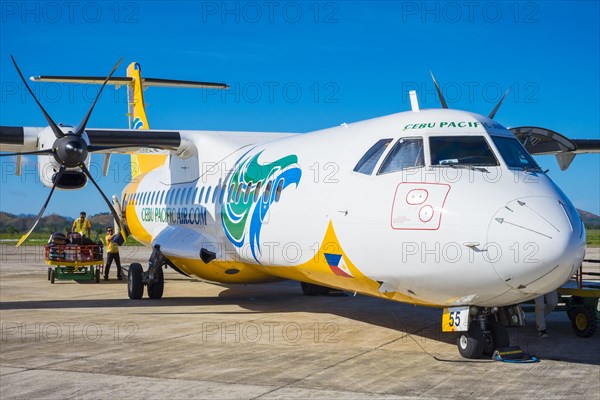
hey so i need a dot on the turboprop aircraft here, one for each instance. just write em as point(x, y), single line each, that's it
point(440, 207)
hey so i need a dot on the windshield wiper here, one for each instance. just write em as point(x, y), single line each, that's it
point(468, 166)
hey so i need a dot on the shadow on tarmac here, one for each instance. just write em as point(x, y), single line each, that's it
point(417, 323)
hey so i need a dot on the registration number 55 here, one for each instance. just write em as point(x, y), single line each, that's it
point(455, 319)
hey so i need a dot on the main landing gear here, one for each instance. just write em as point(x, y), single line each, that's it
point(485, 335)
point(153, 278)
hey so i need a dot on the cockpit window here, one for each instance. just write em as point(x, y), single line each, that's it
point(406, 153)
point(367, 163)
point(515, 156)
point(461, 150)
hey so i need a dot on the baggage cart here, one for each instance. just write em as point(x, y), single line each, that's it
point(74, 262)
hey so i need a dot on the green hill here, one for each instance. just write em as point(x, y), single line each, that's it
point(18, 224)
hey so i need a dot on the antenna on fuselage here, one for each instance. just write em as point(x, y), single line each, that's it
point(439, 92)
point(414, 102)
point(495, 110)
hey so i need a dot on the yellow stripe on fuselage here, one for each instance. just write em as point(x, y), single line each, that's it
point(316, 271)
point(134, 224)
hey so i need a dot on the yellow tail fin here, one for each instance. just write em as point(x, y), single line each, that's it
point(140, 163)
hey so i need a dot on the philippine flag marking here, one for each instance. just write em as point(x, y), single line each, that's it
point(337, 265)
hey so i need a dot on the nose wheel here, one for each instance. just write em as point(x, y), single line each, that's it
point(470, 343)
point(485, 335)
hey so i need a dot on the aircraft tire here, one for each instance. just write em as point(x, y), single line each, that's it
point(135, 285)
point(155, 291)
point(470, 343)
point(584, 321)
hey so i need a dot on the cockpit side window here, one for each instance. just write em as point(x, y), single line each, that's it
point(461, 150)
point(406, 153)
point(515, 156)
point(367, 163)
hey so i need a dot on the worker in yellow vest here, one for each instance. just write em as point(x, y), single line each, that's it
point(82, 225)
point(112, 253)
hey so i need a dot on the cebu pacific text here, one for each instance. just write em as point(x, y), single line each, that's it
point(172, 215)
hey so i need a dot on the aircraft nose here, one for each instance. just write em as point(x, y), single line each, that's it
point(536, 243)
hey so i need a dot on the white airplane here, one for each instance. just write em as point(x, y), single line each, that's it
point(441, 208)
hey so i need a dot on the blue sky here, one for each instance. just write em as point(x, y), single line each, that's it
point(300, 66)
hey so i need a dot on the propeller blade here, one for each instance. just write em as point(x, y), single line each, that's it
point(495, 110)
point(439, 92)
point(28, 153)
point(84, 122)
point(57, 131)
point(112, 210)
point(41, 213)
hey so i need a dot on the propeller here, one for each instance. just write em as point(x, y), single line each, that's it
point(69, 149)
point(29, 153)
point(56, 178)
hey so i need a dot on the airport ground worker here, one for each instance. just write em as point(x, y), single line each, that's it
point(112, 253)
point(544, 306)
point(82, 225)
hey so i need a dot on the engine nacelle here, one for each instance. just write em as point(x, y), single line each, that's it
point(72, 178)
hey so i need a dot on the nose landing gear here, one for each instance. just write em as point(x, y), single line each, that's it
point(485, 335)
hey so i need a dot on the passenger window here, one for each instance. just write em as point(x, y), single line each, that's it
point(207, 195)
point(192, 195)
point(230, 195)
point(278, 190)
point(457, 150)
point(183, 195)
point(238, 193)
point(222, 193)
point(367, 163)
point(200, 195)
point(268, 191)
point(215, 193)
point(176, 197)
point(257, 191)
point(152, 198)
point(247, 194)
point(162, 196)
point(406, 153)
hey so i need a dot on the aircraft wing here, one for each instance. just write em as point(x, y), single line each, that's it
point(26, 139)
point(542, 141)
